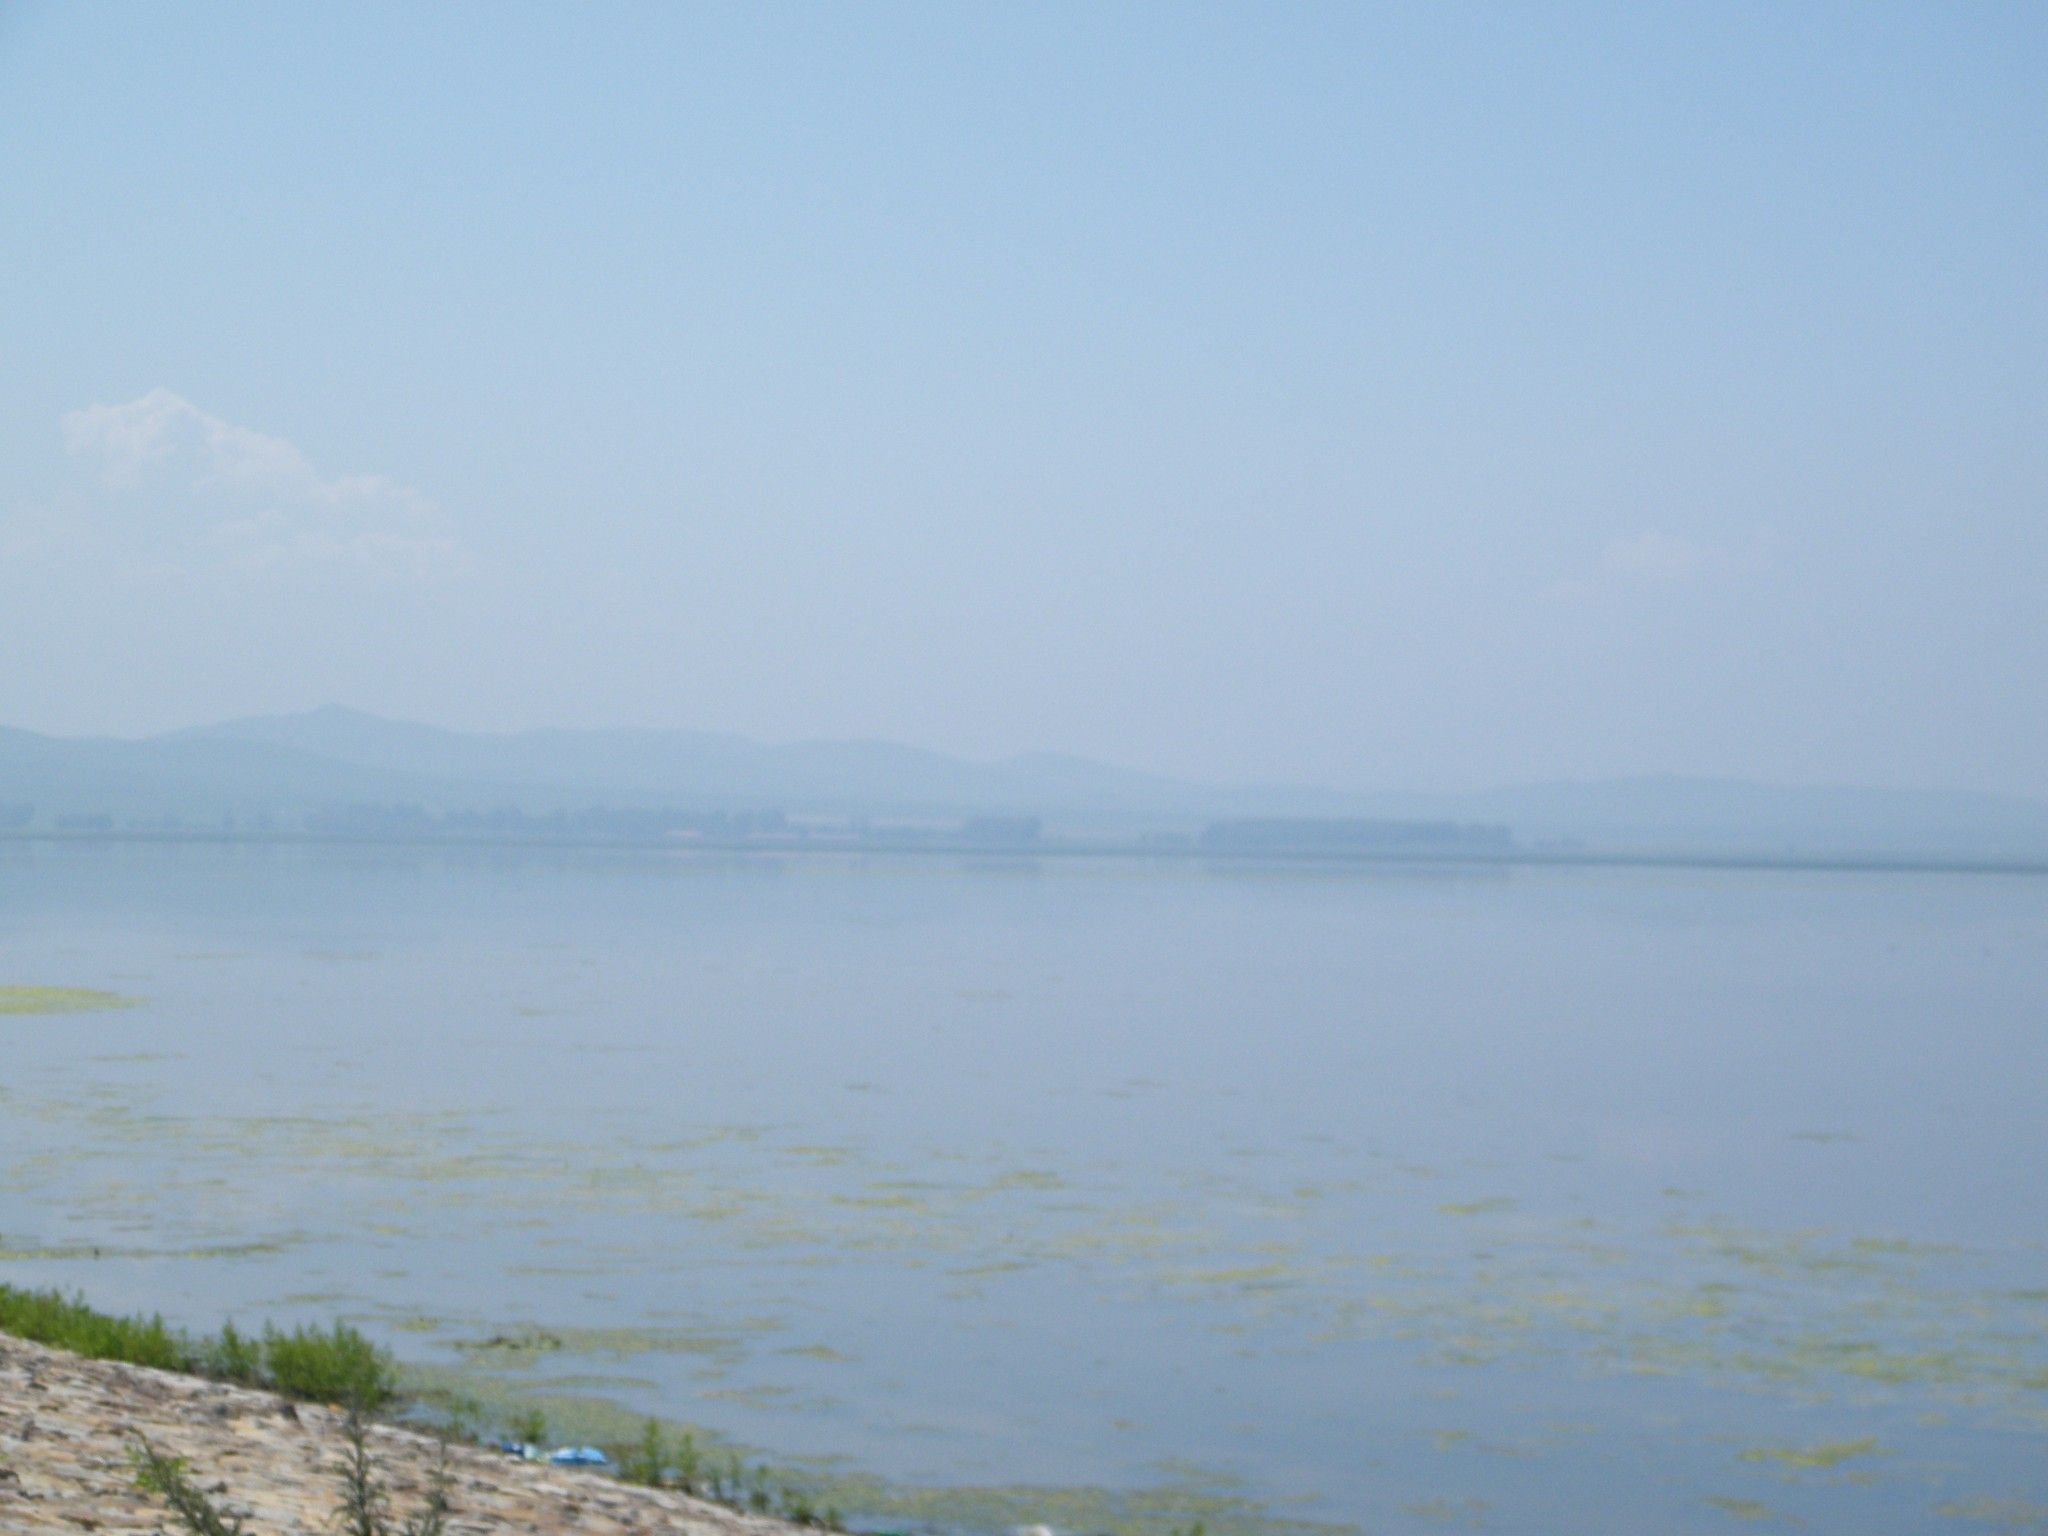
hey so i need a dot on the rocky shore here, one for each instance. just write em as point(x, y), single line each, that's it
point(67, 1426)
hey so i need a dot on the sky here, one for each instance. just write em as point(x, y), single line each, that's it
point(1379, 396)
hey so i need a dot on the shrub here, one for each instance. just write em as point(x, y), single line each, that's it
point(647, 1462)
point(233, 1356)
point(334, 1365)
point(689, 1463)
point(66, 1322)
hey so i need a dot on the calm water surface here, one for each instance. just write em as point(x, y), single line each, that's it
point(1107, 1194)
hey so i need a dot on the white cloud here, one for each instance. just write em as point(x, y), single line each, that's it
point(208, 490)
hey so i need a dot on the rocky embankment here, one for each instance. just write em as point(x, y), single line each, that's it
point(67, 1426)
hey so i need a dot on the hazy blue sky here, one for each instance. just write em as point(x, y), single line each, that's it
point(1376, 395)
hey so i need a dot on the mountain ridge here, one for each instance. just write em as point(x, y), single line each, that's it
point(290, 764)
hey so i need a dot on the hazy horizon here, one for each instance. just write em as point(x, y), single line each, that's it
point(1028, 753)
point(1404, 399)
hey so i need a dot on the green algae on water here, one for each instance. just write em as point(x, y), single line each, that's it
point(1468, 1512)
point(1742, 1509)
point(27, 1000)
point(1813, 1458)
point(517, 1347)
point(58, 1252)
point(1028, 1178)
point(1489, 1206)
point(1187, 1497)
point(818, 1352)
point(2008, 1517)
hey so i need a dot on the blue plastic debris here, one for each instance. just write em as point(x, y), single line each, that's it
point(580, 1456)
point(524, 1450)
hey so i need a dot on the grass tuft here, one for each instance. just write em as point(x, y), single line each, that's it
point(165, 1477)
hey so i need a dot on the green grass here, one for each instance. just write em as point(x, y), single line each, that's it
point(331, 1365)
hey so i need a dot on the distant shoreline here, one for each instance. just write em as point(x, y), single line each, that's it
point(1078, 849)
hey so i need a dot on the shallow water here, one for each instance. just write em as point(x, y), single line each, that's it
point(1100, 1193)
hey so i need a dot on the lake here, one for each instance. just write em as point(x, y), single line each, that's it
point(1111, 1195)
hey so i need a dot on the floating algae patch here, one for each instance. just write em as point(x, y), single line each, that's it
point(71, 1251)
point(1902, 1247)
point(1469, 1513)
point(2006, 1517)
point(1248, 1279)
point(1710, 1301)
point(1166, 1508)
point(1491, 1205)
point(596, 1382)
point(520, 1343)
point(1894, 1367)
point(515, 1348)
point(757, 1395)
point(1797, 1253)
point(1814, 1458)
point(34, 1253)
point(417, 1322)
point(1742, 1509)
point(25, 1000)
point(1028, 1178)
point(573, 1417)
point(822, 1156)
point(1169, 1507)
point(818, 1352)
point(885, 1200)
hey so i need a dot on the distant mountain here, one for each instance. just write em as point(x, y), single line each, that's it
point(182, 777)
point(697, 768)
point(289, 767)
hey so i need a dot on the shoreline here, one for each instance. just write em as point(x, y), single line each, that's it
point(1106, 851)
point(68, 1423)
point(220, 1410)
